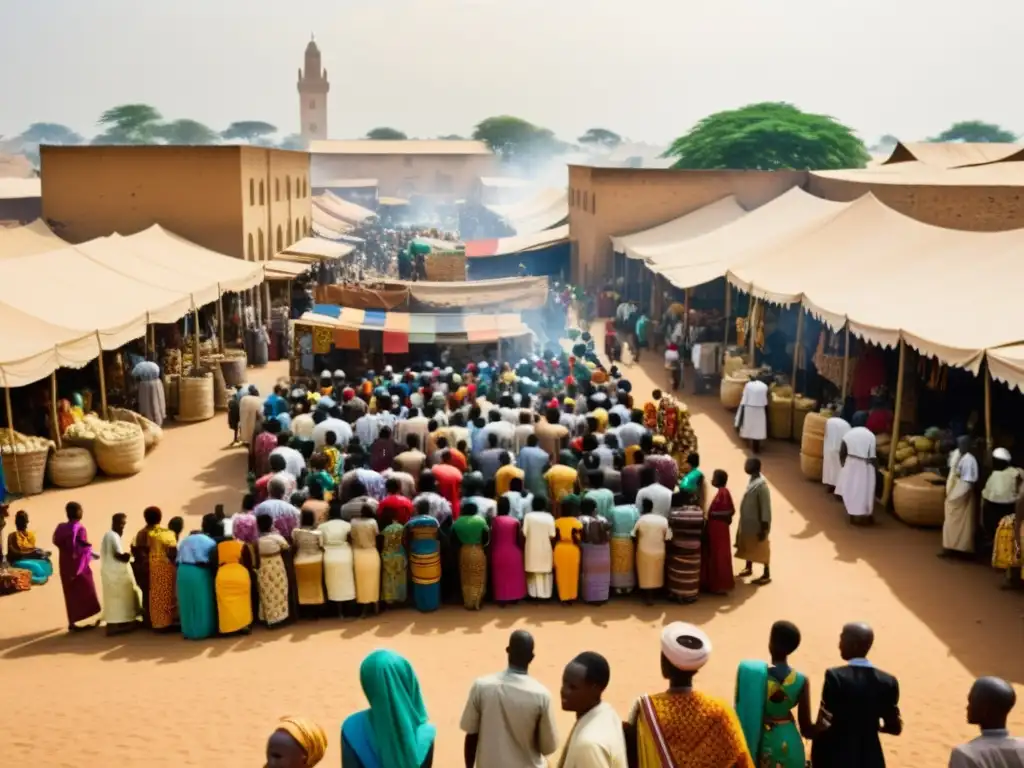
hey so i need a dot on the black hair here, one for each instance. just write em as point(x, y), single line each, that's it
point(492, 440)
point(278, 463)
point(719, 478)
point(693, 460)
point(265, 523)
point(785, 636)
point(598, 672)
point(532, 440)
point(153, 515)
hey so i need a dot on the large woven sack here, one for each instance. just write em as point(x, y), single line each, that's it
point(233, 367)
point(150, 431)
point(731, 391)
point(72, 468)
point(220, 390)
point(812, 438)
point(123, 457)
point(920, 500)
point(25, 472)
point(801, 407)
point(811, 466)
point(780, 422)
point(195, 398)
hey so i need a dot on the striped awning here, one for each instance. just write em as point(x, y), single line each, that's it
point(421, 328)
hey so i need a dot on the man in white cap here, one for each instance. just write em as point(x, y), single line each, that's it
point(683, 726)
point(999, 497)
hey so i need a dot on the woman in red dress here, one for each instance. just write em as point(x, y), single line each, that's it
point(716, 574)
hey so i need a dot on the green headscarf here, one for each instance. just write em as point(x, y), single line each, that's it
point(398, 717)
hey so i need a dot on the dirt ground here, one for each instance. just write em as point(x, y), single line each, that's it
point(148, 700)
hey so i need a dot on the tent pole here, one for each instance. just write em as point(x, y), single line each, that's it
point(728, 316)
point(151, 340)
point(53, 409)
point(220, 320)
point(796, 359)
point(10, 432)
point(103, 376)
point(988, 408)
point(887, 485)
point(686, 315)
point(846, 361)
point(751, 333)
point(195, 336)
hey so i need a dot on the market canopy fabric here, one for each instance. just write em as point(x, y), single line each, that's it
point(477, 249)
point(1006, 364)
point(341, 209)
point(649, 242)
point(38, 348)
point(950, 154)
point(509, 293)
point(20, 189)
point(894, 277)
point(710, 256)
point(347, 184)
point(319, 248)
point(419, 328)
point(548, 208)
point(284, 270)
point(327, 226)
point(35, 237)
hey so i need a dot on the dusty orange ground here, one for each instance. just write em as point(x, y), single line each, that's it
point(149, 700)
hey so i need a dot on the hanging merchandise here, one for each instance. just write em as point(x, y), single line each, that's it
point(741, 332)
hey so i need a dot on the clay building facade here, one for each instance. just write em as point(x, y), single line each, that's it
point(246, 202)
point(607, 202)
point(439, 170)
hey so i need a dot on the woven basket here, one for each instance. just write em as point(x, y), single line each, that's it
point(780, 422)
point(917, 500)
point(195, 401)
point(812, 437)
point(24, 472)
point(150, 431)
point(171, 391)
point(731, 391)
point(445, 267)
point(123, 458)
point(220, 390)
point(801, 408)
point(811, 466)
point(233, 368)
point(72, 468)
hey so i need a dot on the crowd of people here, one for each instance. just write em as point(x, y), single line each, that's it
point(427, 487)
point(508, 720)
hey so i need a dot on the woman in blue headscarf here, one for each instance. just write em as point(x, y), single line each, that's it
point(394, 731)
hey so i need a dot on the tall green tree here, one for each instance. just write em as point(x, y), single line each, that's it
point(248, 131)
point(977, 132)
point(600, 137)
point(129, 124)
point(515, 139)
point(50, 133)
point(292, 141)
point(768, 136)
point(386, 134)
point(186, 131)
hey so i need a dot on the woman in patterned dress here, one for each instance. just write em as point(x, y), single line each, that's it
point(394, 564)
point(687, 526)
point(623, 551)
point(424, 547)
point(163, 596)
point(473, 535)
point(366, 560)
point(273, 575)
point(309, 561)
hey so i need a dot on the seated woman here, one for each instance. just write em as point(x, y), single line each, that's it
point(394, 731)
point(23, 553)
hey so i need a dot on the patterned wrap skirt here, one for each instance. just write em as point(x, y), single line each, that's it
point(273, 585)
point(623, 563)
point(1004, 554)
point(473, 574)
point(684, 553)
point(597, 572)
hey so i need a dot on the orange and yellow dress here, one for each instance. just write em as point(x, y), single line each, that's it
point(567, 558)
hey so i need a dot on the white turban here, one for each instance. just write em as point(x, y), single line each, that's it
point(680, 656)
point(1001, 453)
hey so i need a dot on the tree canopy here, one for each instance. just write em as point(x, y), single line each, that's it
point(129, 124)
point(386, 134)
point(600, 137)
point(515, 139)
point(248, 130)
point(187, 132)
point(292, 141)
point(50, 133)
point(768, 136)
point(976, 131)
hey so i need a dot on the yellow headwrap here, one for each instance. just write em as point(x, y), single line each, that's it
point(309, 735)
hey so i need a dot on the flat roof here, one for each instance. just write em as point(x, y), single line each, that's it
point(399, 147)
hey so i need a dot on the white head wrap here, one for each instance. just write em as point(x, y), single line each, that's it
point(679, 656)
point(325, 374)
point(1001, 453)
point(339, 374)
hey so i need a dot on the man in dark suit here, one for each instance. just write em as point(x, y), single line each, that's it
point(858, 701)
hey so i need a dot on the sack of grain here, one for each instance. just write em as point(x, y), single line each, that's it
point(811, 466)
point(780, 418)
point(920, 500)
point(731, 391)
point(122, 455)
point(72, 468)
point(150, 431)
point(812, 438)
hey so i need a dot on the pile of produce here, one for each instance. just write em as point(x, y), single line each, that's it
point(917, 453)
point(12, 441)
point(85, 432)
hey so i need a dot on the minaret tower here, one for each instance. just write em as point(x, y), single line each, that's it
point(313, 88)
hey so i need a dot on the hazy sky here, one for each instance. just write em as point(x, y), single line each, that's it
point(647, 69)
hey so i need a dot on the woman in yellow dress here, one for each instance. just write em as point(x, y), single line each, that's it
point(309, 560)
point(163, 594)
point(567, 554)
point(366, 560)
point(233, 586)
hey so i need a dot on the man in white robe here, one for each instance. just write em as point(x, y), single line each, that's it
point(961, 506)
point(539, 532)
point(122, 604)
point(835, 430)
point(752, 415)
point(856, 484)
